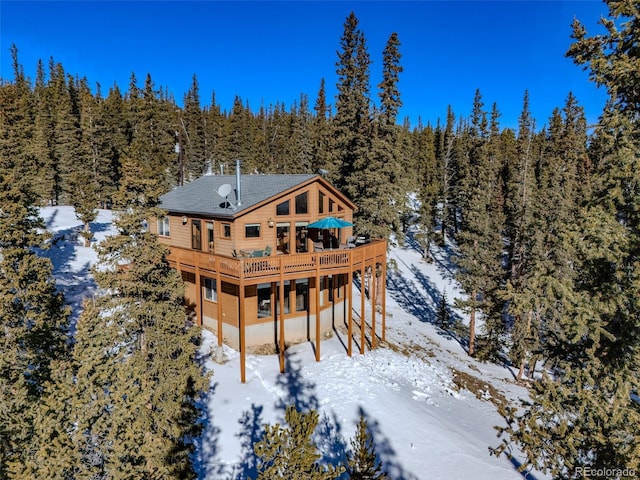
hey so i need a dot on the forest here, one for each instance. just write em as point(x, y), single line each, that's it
point(546, 223)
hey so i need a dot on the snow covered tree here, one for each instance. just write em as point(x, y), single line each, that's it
point(362, 461)
point(289, 452)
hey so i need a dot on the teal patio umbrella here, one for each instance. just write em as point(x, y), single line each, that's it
point(330, 222)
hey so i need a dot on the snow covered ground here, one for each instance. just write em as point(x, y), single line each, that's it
point(425, 423)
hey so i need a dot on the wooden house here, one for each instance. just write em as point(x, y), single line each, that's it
point(257, 275)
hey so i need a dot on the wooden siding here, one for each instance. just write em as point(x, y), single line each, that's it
point(181, 233)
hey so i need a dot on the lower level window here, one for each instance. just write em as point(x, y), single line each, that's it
point(264, 300)
point(210, 289)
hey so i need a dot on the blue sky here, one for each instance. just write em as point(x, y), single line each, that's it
point(268, 52)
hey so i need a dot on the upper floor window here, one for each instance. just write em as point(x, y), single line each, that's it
point(252, 230)
point(301, 203)
point(282, 208)
point(320, 202)
point(196, 235)
point(210, 237)
point(163, 227)
point(226, 230)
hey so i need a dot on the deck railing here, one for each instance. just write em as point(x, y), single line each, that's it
point(273, 266)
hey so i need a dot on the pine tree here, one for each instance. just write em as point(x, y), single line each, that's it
point(429, 185)
point(520, 293)
point(191, 137)
point(581, 414)
point(320, 132)
point(138, 377)
point(289, 452)
point(362, 461)
point(33, 318)
point(443, 316)
point(480, 236)
point(352, 122)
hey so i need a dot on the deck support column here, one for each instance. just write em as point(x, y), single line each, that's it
point(198, 297)
point(362, 300)
point(383, 279)
point(241, 330)
point(219, 299)
point(281, 318)
point(373, 285)
point(350, 306)
point(317, 308)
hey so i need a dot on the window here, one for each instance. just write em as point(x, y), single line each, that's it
point(252, 230)
point(210, 237)
point(282, 208)
point(226, 230)
point(320, 202)
point(210, 289)
point(301, 203)
point(163, 227)
point(264, 300)
point(331, 204)
point(282, 234)
point(196, 235)
point(301, 237)
point(287, 293)
point(302, 295)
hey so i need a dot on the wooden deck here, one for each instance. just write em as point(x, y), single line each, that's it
point(266, 269)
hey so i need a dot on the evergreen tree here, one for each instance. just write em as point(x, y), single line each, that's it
point(320, 133)
point(137, 373)
point(520, 292)
point(443, 316)
point(191, 136)
point(362, 461)
point(352, 123)
point(581, 414)
point(381, 186)
point(479, 238)
point(445, 157)
point(32, 314)
point(289, 452)
point(429, 184)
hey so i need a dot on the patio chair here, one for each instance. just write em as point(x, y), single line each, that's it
point(318, 247)
point(267, 251)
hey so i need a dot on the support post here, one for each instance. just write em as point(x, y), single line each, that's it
point(317, 308)
point(219, 299)
point(241, 330)
point(198, 296)
point(384, 297)
point(362, 300)
point(281, 319)
point(372, 289)
point(350, 309)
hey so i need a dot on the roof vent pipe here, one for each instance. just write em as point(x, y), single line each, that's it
point(239, 197)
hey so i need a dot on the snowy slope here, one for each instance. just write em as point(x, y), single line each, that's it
point(425, 426)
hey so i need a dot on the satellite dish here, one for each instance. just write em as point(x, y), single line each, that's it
point(224, 190)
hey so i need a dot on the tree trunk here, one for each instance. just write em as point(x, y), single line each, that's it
point(87, 235)
point(472, 327)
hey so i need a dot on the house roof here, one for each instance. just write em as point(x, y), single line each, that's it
point(200, 197)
